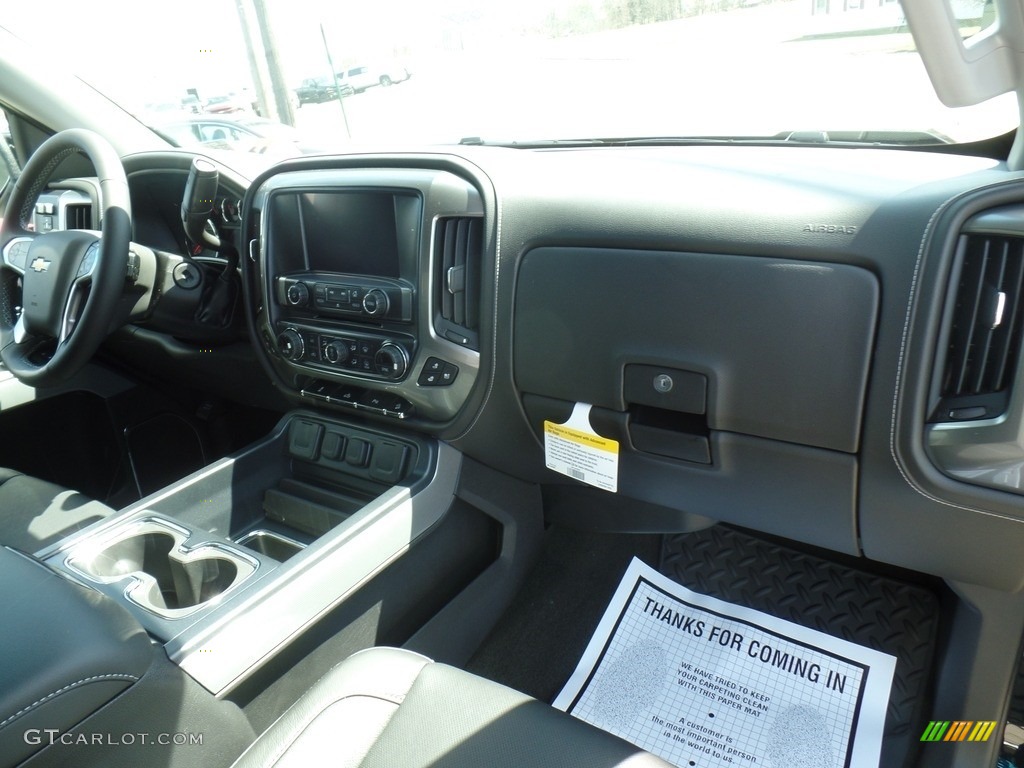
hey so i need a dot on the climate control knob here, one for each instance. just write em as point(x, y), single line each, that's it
point(391, 360)
point(336, 352)
point(375, 303)
point(290, 344)
point(298, 294)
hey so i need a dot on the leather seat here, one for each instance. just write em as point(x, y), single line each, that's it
point(35, 513)
point(389, 707)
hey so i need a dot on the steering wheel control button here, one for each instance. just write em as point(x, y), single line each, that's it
point(17, 253)
point(187, 276)
point(89, 262)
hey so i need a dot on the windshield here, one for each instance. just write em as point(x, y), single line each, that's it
point(444, 71)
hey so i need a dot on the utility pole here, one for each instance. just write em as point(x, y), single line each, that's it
point(334, 75)
point(282, 96)
point(258, 73)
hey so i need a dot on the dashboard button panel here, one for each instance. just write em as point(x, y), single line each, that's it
point(381, 403)
point(365, 298)
point(377, 357)
point(437, 373)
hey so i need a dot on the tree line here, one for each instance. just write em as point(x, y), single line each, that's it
point(601, 15)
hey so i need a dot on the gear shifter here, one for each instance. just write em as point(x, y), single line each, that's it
point(217, 303)
point(197, 203)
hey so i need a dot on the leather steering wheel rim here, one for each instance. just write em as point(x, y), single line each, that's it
point(22, 336)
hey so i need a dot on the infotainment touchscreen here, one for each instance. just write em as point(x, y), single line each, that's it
point(351, 232)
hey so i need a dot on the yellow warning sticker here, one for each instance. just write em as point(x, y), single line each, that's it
point(575, 450)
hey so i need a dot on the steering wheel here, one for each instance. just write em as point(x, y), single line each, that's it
point(70, 281)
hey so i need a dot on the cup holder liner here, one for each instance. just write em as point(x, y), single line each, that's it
point(271, 544)
point(167, 578)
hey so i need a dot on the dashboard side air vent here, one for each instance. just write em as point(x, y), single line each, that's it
point(984, 335)
point(78, 216)
point(458, 253)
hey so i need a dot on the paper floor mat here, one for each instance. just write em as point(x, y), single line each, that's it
point(704, 683)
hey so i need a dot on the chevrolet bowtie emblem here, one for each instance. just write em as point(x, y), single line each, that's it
point(39, 264)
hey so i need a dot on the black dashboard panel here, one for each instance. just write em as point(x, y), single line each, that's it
point(784, 345)
point(797, 291)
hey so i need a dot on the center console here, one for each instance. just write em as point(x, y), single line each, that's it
point(228, 566)
point(370, 288)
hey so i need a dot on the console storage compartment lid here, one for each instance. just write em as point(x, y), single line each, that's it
point(68, 650)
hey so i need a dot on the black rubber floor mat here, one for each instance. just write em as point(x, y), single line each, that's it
point(879, 612)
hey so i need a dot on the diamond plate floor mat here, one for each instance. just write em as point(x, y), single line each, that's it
point(876, 611)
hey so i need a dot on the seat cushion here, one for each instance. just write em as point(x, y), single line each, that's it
point(388, 707)
point(67, 652)
point(35, 513)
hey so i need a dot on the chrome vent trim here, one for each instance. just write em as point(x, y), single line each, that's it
point(985, 334)
point(975, 432)
point(458, 253)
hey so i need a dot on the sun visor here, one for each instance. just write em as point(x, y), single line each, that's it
point(969, 71)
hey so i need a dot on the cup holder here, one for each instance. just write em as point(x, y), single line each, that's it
point(271, 544)
point(167, 579)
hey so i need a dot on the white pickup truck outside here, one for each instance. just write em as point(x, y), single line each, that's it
point(363, 77)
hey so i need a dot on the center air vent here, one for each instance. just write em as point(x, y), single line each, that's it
point(985, 331)
point(458, 252)
point(78, 216)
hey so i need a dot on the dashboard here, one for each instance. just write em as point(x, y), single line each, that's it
point(819, 344)
point(793, 296)
point(802, 302)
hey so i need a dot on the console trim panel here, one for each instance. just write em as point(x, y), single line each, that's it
point(225, 650)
